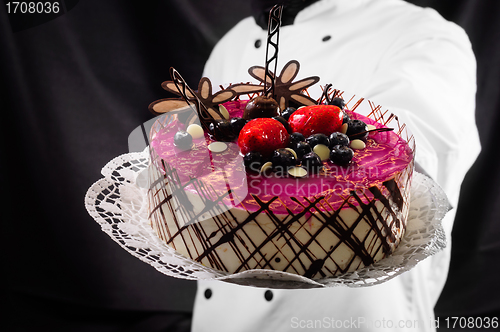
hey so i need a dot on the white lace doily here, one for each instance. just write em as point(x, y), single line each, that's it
point(118, 202)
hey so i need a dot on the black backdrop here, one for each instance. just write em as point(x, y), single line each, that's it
point(75, 85)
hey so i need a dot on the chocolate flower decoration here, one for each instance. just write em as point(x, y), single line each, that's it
point(246, 88)
point(204, 94)
point(166, 105)
point(286, 89)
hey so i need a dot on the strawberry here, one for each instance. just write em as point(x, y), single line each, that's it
point(323, 119)
point(263, 135)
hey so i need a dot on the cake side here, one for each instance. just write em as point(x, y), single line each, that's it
point(362, 232)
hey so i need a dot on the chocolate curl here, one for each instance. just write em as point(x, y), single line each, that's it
point(360, 134)
point(273, 30)
point(201, 109)
point(326, 94)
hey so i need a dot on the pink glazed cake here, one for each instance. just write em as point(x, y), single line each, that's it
point(207, 203)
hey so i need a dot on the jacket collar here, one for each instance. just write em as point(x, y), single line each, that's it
point(315, 9)
point(337, 6)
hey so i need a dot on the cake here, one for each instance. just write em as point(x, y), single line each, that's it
point(263, 189)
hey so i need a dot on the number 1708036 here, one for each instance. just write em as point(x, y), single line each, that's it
point(47, 7)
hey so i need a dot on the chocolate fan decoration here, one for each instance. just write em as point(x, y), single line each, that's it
point(286, 89)
point(245, 88)
point(168, 105)
point(273, 30)
point(190, 97)
point(210, 100)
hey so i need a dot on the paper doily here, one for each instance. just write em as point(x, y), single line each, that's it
point(118, 202)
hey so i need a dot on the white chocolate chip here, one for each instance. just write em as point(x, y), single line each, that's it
point(217, 147)
point(343, 129)
point(357, 144)
point(297, 172)
point(195, 130)
point(292, 151)
point(322, 151)
point(223, 111)
point(267, 166)
point(370, 127)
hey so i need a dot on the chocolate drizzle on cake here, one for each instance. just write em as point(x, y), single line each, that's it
point(296, 253)
point(396, 196)
point(306, 240)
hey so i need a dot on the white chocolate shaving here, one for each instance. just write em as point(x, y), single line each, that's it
point(266, 166)
point(357, 144)
point(217, 147)
point(292, 151)
point(297, 172)
point(195, 130)
point(223, 111)
point(343, 129)
point(322, 151)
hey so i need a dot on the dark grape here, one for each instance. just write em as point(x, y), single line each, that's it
point(295, 138)
point(183, 140)
point(282, 159)
point(222, 130)
point(356, 129)
point(341, 155)
point(287, 112)
point(253, 161)
point(237, 124)
point(312, 162)
point(345, 118)
point(302, 148)
point(337, 101)
point(316, 139)
point(338, 138)
point(284, 123)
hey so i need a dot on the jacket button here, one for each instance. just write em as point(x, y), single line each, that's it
point(208, 293)
point(268, 295)
point(258, 43)
point(326, 38)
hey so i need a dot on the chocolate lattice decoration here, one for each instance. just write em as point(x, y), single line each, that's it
point(273, 36)
point(190, 97)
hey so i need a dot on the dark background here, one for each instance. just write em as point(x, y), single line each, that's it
point(75, 85)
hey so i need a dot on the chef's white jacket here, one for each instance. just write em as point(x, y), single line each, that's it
point(412, 62)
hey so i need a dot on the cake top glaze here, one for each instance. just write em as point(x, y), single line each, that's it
point(385, 154)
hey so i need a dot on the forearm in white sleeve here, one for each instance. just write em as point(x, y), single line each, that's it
point(430, 84)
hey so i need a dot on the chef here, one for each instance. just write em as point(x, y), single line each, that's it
point(411, 61)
